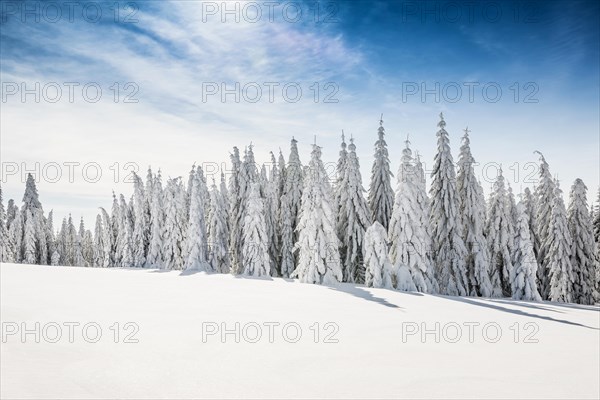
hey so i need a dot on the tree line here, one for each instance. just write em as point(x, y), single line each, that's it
point(290, 220)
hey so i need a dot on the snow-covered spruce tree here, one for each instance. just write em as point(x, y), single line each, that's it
point(15, 232)
point(410, 242)
point(50, 237)
point(281, 174)
point(125, 237)
point(55, 258)
point(379, 271)
point(449, 251)
point(597, 238)
point(204, 191)
point(34, 233)
point(245, 178)
point(290, 208)
point(6, 243)
point(420, 171)
point(597, 220)
point(173, 239)
point(188, 192)
point(106, 240)
point(255, 245)
point(472, 210)
point(512, 207)
point(529, 201)
point(353, 218)
point(11, 212)
point(287, 238)
point(338, 188)
point(523, 277)
point(500, 236)
point(317, 245)
point(381, 194)
point(268, 188)
point(196, 251)
point(61, 243)
point(276, 182)
point(248, 175)
point(140, 230)
point(218, 234)
point(544, 194)
point(235, 201)
point(98, 249)
point(583, 258)
point(115, 220)
point(155, 257)
point(88, 248)
point(148, 190)
point(72, 244)
point(558, 252)
point(81, 236)
point(29, 234)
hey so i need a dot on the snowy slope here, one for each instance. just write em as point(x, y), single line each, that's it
point(371, 359)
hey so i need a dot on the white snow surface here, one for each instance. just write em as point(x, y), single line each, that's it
point(370, 360)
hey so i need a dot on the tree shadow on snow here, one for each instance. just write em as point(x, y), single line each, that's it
point(537, 306)
point(188, 272)
point(357, 291)
point(508, 310)
point(254, 278)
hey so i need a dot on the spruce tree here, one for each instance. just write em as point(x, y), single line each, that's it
point(175, 221)
point(98, 256)
point(408, 233)
point(268, 192)
point(34, 232)
point(50, 237)
point(449, 251)
point(235, 203)
point(597, 220)
point(317, 245)
point(107, 238)
point(379, 269)
point(274, 201)
point(140, 230)
point(115, 220)
point(381, 194)
point(353, 218)
point(6, 244)
point(256, 242)
point(155, 256)
point(72, 244)
point(530, 204)
point(544, 195)
point(196, 252)
point(11, 212)
point(62, 243)
point(125, 237)
point(148, 190)
point(290, 208)
point(472, 210)
point(339, 186)
point(558, 253)
point(15, 233)
point(236, 192)
point(88, 248)
point(500, 236)
point(218, 235)
point(583, 258)
point(287, 238)
point(523, 277)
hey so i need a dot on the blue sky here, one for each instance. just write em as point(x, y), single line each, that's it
point(370, 53)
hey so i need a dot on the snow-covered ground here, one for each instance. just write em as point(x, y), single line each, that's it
point(556, 353)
